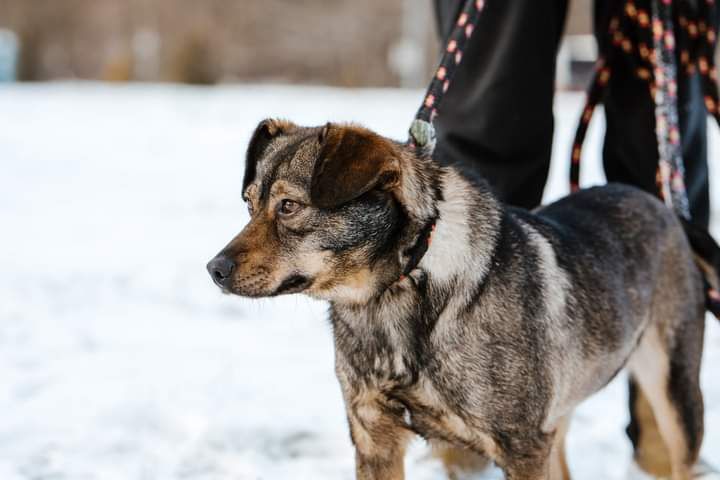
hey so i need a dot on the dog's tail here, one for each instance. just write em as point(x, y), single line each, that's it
point(707, 257)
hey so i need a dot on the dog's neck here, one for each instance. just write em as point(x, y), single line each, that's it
point(451, 223)
point(464, 220)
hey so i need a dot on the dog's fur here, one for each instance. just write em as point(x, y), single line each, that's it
point(510, 319)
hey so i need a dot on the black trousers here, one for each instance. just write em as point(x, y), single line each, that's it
point(497, 117)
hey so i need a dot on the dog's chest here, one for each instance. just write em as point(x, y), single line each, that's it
point(386, 373)
point(383, 366)
point(373, 352)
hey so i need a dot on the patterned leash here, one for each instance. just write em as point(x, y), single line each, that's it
point(422, 132)
point(670, 176)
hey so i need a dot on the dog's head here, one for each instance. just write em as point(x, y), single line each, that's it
point(326, 214)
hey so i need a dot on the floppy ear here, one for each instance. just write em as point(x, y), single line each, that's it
point(260, 139)
point(352, 161)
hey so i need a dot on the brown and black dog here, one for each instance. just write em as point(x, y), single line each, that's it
point(477, 326)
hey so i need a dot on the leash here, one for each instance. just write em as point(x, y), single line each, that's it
point(671, 169)
point(422, 132)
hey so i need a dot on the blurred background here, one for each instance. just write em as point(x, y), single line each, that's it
point(123, 129)
point(331, 42)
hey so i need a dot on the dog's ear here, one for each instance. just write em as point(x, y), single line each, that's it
point(352, 161)
point(260, 139)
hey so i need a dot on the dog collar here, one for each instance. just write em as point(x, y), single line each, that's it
point(420, 248)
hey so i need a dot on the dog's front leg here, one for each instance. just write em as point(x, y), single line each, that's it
point(388, 466)
point(531, 457)
point(380, 439)
point(530, 469)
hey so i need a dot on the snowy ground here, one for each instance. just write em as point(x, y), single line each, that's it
point(118, 357)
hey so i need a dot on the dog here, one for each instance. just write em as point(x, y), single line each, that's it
point(477, 326)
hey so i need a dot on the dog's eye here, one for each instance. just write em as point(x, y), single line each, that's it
point(288, 207)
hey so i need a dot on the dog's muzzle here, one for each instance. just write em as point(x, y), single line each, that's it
point(221, 269)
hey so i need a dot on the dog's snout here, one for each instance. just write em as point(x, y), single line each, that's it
point(221, 269)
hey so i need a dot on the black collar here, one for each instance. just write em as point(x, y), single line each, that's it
point(420, 248)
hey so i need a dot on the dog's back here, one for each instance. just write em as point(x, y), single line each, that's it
point(641, 253)
point(637, 246)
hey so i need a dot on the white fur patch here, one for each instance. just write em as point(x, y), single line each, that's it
point(452, 253)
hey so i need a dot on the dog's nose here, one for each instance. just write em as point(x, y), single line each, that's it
point(221, 269)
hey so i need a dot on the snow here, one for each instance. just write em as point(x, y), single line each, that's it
point(118, 357)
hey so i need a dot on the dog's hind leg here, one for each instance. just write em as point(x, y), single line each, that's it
point(650, 453)
point(666, 367)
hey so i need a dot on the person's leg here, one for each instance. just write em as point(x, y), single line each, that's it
point(630, 153)
point(693, 128)
point(496, 120)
